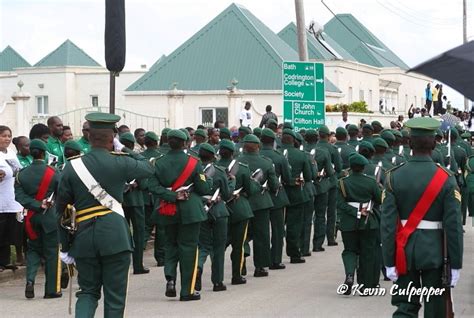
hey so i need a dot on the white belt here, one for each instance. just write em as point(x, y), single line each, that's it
point(427, 225)
point(356, 204)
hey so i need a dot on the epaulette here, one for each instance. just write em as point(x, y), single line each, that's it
point(394, 168)
point(388, 178)
point(243, 164)
point(74, 157)
point(152, 160)
point(445, 169)
point(119, 153)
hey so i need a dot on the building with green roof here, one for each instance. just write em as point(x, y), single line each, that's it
point(11, 59)
point(67, 54)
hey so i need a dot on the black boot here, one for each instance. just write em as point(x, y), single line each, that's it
point(219, 287)
point(170, 288)
point(30, 290)
point(53, 295)
point(349, 282)
point(190, 297)
point(198, 284)
point(260, 272)
point(238, 280)
point(143, 270)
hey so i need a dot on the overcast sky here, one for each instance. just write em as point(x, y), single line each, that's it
point(414, 30)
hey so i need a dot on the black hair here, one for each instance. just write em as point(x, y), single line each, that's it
point(422, 143)
point(38, 130)
point(16, 141)
point(122, 127)
point(66, 128)
point(205, 155)
point(268, 108)
point(176, 143)
point(52, 119)
point(311, 138)
point(357, 168)
point(37, 153)
point(366, 152)
point(201, 127)
point(225, 153)
point(266, 140)
point(287, 139)
point(68, 152)
point(137, 131)
point(4, 128)
point(218, 122)
point(189, 129)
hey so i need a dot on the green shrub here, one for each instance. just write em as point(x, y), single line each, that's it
point(355, 107)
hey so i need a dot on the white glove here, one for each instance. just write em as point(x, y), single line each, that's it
point(68, 260)
point(455, 273)
point(118, 145)
point(392, 273)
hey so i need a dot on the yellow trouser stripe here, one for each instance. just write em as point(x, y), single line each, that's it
point(90, 216)
point(94, 208)
point(242, 256)
point(193, 280)
point(58, 274)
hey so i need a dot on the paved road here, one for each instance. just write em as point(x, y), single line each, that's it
point(307, 290)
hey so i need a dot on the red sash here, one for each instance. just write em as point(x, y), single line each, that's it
point(169, 208)
point(40, 195)
point(418, 213)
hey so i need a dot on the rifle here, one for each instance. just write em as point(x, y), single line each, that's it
point(400, 150)
point(129, 186)
point(234, 194)
point(232, 168)
point(446, 279)
point(49, 200)
point(213, 199)
point(378, 172)
point(368, 207)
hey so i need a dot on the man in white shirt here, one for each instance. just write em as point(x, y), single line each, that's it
point(345, 121)
point(246, 115)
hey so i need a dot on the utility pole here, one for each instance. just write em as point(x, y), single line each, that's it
point(300, 25)
point(464, 40)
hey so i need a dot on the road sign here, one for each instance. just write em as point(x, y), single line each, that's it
point(303, 94)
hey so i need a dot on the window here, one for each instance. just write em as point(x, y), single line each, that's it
point(349, 95)
point(42, 105)
point(370, 98)
point(361, 95)
point(210, 115)
point(95, 100)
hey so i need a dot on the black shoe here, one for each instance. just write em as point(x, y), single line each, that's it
point(219, 287)
point(278, 266)
point(190, 297)
point(260, 272)
point(198, 284)
point(53, 295)
point(170, 289)
point(64, 279)
point(160, 263)
point(307, 254)
point(318, 249)
point(332, 243)
point(297, 260)
point(30, 290)
point(144, 270)
point(349, 282)
point(238, 280)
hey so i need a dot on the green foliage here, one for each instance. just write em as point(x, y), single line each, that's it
point(355, 107)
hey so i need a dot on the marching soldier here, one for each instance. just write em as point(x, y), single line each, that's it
point(377, 129)
point(239, 208)
point(357, 195)
point(381, 148)
point(406, 144)
point(272, 124)
point(164, 147)
point(261, 203)
point(343, 147)
point(459, 155)
point(179, 182)
point(390, 155)
point(33, 188)
point(280, 198)
point(72, 149)
point(415, 217)
point(353, 132)
point(200, 137)
point(91, 189)
point(469, 176)
point(213, 233)
point(224, 133)
point(367, 132)
point(243, 131)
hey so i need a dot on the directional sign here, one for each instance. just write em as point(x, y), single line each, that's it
point(303, 94)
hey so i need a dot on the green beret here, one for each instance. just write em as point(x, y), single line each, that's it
point(102, 120)
point(257, 131)
point(200, 132)
point(176, 133)
point(376, 123)
point(127, 136)
point(271, 122)
point(246, 130)
point(165, 131)
point(341, 131)
point(454, 133)
point(288, 131)
point(324, 130)
point(406, 133)
point(186, 132)
point(311, 132)
point(379, 142)
point(287, 125)
point(358, 159)
point(299, 137)
point(466, 135)
point(268, 133)
point(74, 145)
point(368, 126)
point(397, 133)
point(352, 127)
point(388, 136)
point(207, 147)
point(227, 144)
point(422, 126)
point(251, 139)
point(151, 135)
point(225, 131)
point(38, 144)
point(439, 133)
point(366, 145)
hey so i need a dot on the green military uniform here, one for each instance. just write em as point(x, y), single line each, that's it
point(25, 161)
point(45, 245)
point(424, 247)
point(331, 211)
point(240, 213)
point(359, 233)
point(280, 199)
point(469, 177)
point(201, 133)
point(390, 155)
point(261, 204)
point(344, 148)
point(86, 146)
point(55, 150)
point(182, 228)
point(295, 211)
point(386, 163)
point(353, 141)
point(102, 244)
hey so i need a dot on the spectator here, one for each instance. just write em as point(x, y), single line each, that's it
point(400, 122)
point(435, 93)
point(393, 125)
point(139, 135)
point(268, 115)
point(440, 99)
point(213, 137)
point(246, 115)
point(219, 124)
point(362, 123)
point(200, 127)
point(191, 132)
point(9, 208)
point(344, 121)
point(22, 145)
point(428, 97)
point(413, 113)
point(123, 129)
point(67, 134)
point(424, 113)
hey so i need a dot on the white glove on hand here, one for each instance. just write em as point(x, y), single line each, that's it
point(455, 273)
point(118, 145)
point(392, 273)
point(68, 260)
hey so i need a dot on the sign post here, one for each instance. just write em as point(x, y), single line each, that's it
point(303, 95)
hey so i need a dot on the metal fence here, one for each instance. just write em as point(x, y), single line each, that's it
point(75, 119)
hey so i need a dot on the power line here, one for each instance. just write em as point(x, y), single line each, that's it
point(421, 16)
point(354, 34)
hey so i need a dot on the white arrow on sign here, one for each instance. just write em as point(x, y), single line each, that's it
point(320, 80)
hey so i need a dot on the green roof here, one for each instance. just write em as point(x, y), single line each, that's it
point(67, 54)
point(10, 59)
point(369, 49)
point(234, 45)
